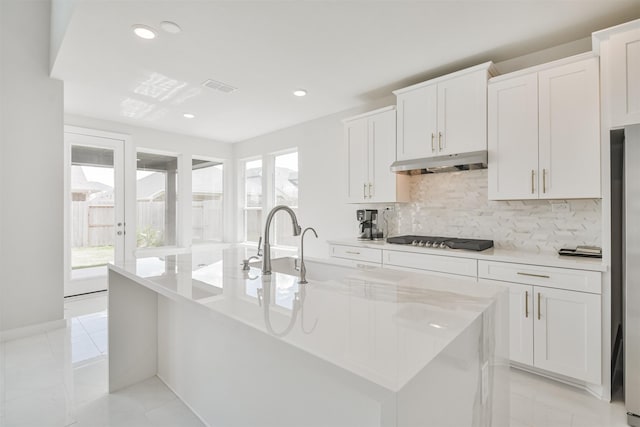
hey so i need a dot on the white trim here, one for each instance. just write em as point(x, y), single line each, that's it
point(541, 67)
point(593, 389)
point(489, 66)
point(27, 331)
point(603, 35)
point(369, 113)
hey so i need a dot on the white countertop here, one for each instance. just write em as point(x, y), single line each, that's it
point(382, 325)
point(549, 259)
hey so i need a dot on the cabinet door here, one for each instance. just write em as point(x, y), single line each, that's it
point(520, 322)
point(357, 165)
point(567, 333)
point(625, 83)
point(382, 152)
point(462, 114)
point(513, 138)
point(569, 103)
point(417, 123)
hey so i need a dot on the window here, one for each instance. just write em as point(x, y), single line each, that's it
point(252, 214)
point(279, 172)
point(206, 201)
point(285, 193)
point(156, 207)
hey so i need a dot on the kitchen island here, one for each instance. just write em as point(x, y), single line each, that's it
point(353, 347)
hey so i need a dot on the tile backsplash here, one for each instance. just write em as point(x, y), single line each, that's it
point(455, 205)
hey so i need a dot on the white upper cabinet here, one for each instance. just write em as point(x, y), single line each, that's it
point(355, 134)
point(569, 120)
point(513, 138)
point(625, 82)
point(417, 123)
point(619, 51)
point(462, 113)
point(544, 132)
point(371, 148)
point(443, 116)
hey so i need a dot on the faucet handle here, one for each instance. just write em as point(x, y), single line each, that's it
point(259, 246)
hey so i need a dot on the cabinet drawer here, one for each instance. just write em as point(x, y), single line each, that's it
point(356, 253)
point(441, 264)
point(552, 277)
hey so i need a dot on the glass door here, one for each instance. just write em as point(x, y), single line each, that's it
point(94, 210)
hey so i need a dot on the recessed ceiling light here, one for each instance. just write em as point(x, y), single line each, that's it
point(189, 116)
point(144, 31)
point(170, 27)
point(299, 92)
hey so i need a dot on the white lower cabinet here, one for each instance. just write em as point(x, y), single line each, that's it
point(356, 253)
point(567, 333)
point(557, 330)
point(520, 322)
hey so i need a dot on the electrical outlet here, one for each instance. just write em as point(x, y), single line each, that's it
point(560, 207)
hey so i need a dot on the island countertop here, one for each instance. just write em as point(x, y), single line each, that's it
point(382, 325)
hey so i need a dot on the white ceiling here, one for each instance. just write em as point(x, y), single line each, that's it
point(345, 53)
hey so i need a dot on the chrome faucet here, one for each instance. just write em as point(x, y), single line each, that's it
point(303, 268)
point(266, 261)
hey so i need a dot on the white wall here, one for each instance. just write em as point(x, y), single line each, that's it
point(185, 146)
point(30, 169)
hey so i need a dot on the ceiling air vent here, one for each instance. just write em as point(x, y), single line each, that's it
point(219, 86)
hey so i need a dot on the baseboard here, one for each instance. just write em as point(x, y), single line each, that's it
point(595, 390)
point(183, 401)
point(26, 331)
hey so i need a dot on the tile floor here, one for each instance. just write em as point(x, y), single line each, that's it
point(59, 379)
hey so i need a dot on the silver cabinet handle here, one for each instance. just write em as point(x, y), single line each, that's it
point(440, 141)
point(538, 305)
point(433, 147)
point(533, 275)
point(533, 177)
point(526, 304)
point(352, 252)
point(364, 191)
point(370, 185)
point(544, 180)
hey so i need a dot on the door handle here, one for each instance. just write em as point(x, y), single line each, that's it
point(533, 275)
point(544, 180)
point(526, 304)
point(119, 233)
point(538, 305)
point(440, 141)
point(433, 147)
point(533, 177)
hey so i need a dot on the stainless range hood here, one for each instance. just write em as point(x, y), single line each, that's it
point(437, 164)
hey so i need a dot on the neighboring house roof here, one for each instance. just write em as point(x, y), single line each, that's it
point(79, 183)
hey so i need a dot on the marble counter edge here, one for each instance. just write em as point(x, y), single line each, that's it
point(503, 255)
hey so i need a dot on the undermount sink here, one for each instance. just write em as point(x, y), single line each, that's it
point(316, 270)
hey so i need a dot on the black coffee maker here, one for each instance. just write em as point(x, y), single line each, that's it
point(368, 228)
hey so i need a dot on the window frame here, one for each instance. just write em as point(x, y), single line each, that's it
point(268, 192)
point(224, 164)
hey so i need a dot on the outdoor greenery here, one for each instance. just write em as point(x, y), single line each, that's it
point(149, 237)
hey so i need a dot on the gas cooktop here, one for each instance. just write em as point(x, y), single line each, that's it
point(442, 242)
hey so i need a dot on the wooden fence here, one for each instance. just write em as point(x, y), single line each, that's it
point(93, 225)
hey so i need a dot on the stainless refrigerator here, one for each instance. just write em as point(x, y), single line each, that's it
point(631, 274)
